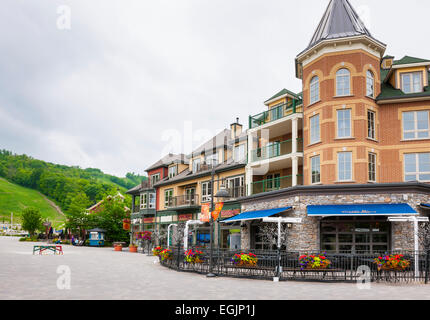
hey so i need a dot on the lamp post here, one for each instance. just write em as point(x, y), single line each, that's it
point(222, 193)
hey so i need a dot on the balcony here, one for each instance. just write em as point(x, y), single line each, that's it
point(140, 212)
point(276, 150)
point(285, 110)
point(183, 201)
point(203, 167)
point(274, 184)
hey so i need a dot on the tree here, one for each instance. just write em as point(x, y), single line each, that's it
point(111, 218)
point(424, 236)
point(269, 233)
point(32, 220)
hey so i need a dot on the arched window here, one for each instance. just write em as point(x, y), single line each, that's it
point(314, 90)
point(370, 84)
point(343, 82)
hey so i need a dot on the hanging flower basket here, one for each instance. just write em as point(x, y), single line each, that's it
point(314, 262)
point(244, 260)
point(394, 262)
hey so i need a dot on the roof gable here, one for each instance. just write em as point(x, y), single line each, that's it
point(409, 60)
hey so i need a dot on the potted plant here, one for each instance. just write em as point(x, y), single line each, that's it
point(193, 256)
point(132, 248)
point(117, 246)
point(245, 260)
point(166, 254)
point(394, 262)
point(157, 251)
point(314, 262)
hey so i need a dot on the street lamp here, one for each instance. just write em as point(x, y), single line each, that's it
point(222, 193)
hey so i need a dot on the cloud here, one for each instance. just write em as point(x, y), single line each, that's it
point(104, 93)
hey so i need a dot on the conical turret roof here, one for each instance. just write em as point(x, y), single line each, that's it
point(339, 21)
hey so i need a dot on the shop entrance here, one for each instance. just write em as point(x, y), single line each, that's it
point(355, 234)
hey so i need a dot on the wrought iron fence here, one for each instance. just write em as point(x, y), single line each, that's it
point(342, 267)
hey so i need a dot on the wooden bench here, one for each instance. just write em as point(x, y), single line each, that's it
point(41, 249)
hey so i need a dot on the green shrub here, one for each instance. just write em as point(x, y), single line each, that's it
point(22, 239)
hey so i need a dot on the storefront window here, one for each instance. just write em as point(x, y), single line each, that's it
point(355, 234)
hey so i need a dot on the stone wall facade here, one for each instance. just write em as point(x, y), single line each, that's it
point(306, 236)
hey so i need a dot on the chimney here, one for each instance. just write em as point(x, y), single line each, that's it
point(236, 129)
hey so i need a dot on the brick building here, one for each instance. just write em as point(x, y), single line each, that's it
point(348, 155)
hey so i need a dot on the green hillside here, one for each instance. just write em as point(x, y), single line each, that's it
point(14, 198)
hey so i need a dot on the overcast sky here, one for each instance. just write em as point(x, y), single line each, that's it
point(112, 91)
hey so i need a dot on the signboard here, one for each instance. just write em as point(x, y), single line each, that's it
point(166, 219)
point(126, 224)
point(229, 213)
point(149, 220)
point(185, 217)
point(205, 215)
point(218, 208)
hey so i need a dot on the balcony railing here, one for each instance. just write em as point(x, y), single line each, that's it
point(274, 184)
point(203, 167)
point(275, 150)
point(183, 201)
point(274, 114)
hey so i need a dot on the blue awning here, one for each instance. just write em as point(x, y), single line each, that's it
point(361, 210)
point(426, 205)
point(253, 215)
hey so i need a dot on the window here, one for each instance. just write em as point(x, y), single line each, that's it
point(172, 171)
point(316, 169)
point(412, 82)
point(152, 200)
point(276, 112)
point(370, 84)
point(344, 160)
point(355, 234)
point(344, 123)
point(196, 164)
point(314, 90)
point(273, 181)
point(273, 149)
point(235, 186)
point(206, 191)
point(371, 124)
point(372, 167)
point(239, 153)
point(168, 195)
point(416, 125)
point(417, 167)
point(343, 83)
point(155, 178)
point(143, 201)
point(212, 159)
point(315, 129)
point(190, 196)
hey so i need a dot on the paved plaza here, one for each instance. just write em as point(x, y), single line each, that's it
point(101, 273)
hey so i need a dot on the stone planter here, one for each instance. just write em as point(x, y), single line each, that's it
point(133, 249)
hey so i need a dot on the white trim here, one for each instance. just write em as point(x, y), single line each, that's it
point(420, 64)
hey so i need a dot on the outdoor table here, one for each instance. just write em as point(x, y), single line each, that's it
point(41, 249)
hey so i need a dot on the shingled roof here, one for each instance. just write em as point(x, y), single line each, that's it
point(168, 160)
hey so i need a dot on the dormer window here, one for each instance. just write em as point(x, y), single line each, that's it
point(172, 171)
point(412, 82)
point(212, 159)
point(196, 165)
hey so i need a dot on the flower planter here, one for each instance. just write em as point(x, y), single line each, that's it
point(133, 249)
point(118, 248)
